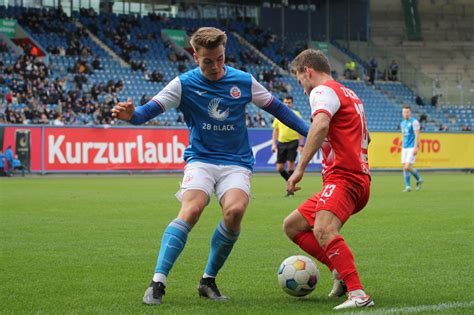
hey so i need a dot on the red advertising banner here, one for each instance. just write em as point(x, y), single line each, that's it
point(117, 149)
point(25, 142)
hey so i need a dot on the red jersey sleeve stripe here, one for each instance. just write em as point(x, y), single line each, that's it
point(269, 102)
point(159, 104)
point(321, 111)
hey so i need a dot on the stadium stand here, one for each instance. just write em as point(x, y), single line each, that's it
point(94, 60)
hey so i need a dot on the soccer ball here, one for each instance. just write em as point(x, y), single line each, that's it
point(298, 275)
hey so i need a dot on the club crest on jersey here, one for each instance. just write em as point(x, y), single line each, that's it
point(235, 92)
point(215, 112)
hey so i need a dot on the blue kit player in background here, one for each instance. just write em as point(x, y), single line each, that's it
point(219, 160)
point(411, 139)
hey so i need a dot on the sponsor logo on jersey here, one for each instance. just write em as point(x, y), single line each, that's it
point(200, 93)
point(235, 92)
point(215, 112)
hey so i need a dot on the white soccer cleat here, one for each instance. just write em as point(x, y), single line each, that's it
point(407, 189)
point(338, 287)
point(356, 302)
point(418, 184)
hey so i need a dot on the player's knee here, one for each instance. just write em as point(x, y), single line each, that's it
point(280, 167)
point(324, 234)
point(289, 228)
point(190, 214)
point(234, 213)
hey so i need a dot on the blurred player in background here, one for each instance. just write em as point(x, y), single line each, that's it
point(289, 143)
point(339, 129)
point(219, 160)
point(411, 139)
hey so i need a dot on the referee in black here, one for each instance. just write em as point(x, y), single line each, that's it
point(289, 143)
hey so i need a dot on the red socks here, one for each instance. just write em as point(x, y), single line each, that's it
point(309, 244)
point(341, 257)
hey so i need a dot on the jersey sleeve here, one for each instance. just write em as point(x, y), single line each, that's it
point(416, 125)
point(324, 99)
point(260, 95)
point(170, 96)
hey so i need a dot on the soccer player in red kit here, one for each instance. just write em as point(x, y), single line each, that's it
point(339, 128)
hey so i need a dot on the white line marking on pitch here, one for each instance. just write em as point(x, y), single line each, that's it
point(419, 309)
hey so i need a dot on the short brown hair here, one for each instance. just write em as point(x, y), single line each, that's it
point(311, 58)
point(208, 37)
point(406, 107)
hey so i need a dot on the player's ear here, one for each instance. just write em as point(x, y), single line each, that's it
point(196, 58)
point(307, 72)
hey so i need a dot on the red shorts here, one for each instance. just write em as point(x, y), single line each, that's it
point(343, 197)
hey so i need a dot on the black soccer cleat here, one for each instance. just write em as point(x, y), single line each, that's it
point(154, 293)
point(207, 288)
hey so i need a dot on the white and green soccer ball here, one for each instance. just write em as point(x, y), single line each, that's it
point(298, 275)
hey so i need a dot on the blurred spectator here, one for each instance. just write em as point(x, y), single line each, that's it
point(466, 127)
point(349, 70)
point(443, 127)
point(156, 76)
point(181, 67)
point(59, 121)
point(259, 121)
point(248, 121)
point(423, 118)
point(373, 64)
point(435, 101)
point(419, 101)
point(96, 64)
point(144, 99)
point(393, 71)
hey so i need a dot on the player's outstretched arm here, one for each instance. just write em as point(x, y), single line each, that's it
point(264, 99)
point(287, 116)
point(139, 115)
point(317, 133)
point(123, 110)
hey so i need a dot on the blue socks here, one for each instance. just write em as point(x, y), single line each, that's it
point(222, 242)
point(172, 244)
point(416, 175)
point(406, 175)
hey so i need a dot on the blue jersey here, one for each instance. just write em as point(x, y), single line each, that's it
point(214, 112)
point(408, 128)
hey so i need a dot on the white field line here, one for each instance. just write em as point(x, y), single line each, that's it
point(418, 309)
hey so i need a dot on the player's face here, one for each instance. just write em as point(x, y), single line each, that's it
point(406, 113)
point(288, 102)
point(211, 62)
point(305, 82)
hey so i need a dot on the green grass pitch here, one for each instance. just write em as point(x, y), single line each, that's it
point(89, 245)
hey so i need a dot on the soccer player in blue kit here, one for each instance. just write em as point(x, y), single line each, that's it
point(219, 160)
point(411, 139)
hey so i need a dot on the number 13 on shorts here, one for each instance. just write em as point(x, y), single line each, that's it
point(328, 190)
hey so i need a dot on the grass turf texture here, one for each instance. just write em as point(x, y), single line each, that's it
point(89, 245)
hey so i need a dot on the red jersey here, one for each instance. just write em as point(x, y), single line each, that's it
point(345, 147)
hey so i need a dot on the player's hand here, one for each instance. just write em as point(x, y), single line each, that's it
point(123, 110)
point(300, 149)
point(274, 147)
point(294, 179)
point(415, 150)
